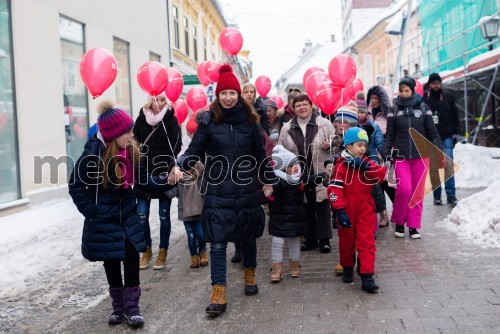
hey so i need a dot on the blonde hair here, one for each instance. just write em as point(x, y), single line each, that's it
point(249, 85)
point(151, 100)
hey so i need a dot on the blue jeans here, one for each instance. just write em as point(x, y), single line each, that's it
point(218, 261)
point(165, 224)
point(449, 184)
point(195, 237)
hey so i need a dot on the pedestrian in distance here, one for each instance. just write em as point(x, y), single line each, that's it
point(190, 204)
point(159, 135)
point(445, 116)
point(412, 163)
point(287, 215)
point(101, 188)
point(351, 183)
point(229, 138)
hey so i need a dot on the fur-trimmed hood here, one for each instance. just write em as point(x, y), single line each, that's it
point(385, 103)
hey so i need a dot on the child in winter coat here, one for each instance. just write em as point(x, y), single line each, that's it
point(351, 184)
point(190, 204)
point(101, 188)
point(287, 215)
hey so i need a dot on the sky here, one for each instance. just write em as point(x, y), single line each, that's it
point(275, 31)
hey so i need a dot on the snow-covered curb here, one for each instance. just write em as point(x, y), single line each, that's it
point(478, 217)
point(479, 165)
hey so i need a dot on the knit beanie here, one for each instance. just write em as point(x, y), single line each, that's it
point(282, 158)
point(271, 103)
point(362, 107)
point(434, 77)
point(227, 80)
point(191, 125)
point(112, 122)
point(274, 135)
point(347, 113)
point(410, 82)
point(354, 135)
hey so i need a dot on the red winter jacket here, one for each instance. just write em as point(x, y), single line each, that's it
point(353, 186)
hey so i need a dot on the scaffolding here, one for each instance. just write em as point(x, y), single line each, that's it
point(449, 49)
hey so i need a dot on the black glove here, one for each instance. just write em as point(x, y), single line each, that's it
point(358, 163)
point(342, 219)
point(314, 180)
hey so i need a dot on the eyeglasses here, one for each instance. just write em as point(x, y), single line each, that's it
point(300, 105)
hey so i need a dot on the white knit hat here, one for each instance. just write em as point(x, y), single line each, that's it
point(282, 159)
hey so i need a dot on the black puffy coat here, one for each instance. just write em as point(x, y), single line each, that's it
point(400, 119)
point(160, 154)
point(110, 214)
point(444, 105)
point(233, 152)
point(287, 215)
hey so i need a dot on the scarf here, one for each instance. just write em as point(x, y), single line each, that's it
point(290, 178)
point(408, 102)
point(126, 167)
point(234, 115)
point(152, 118)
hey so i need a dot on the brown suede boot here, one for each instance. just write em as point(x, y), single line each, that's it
point(161, 260)
point(251, 288)
point(146, 258)
point(195, 261)
point(338, 269)
point(294, 268)
point(276, 272)
point(218, 302)
point(203, 259)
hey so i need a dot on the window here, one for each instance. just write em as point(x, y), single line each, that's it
point(205, 54)
point(76, 115)
point(195, 44)
point(9, 170)
point(122, 82)
point(176, 26)
point(154, 57)
point(186, 35)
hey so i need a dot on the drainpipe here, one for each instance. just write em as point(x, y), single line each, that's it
point(170, 60)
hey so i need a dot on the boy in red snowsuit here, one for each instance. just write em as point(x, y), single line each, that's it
point(350, 194)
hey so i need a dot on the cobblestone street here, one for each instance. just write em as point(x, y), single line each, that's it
point(438, 284)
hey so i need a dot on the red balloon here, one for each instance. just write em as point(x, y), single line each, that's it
point(211, 70)
point(329, 97)
point(342, 70)
point(180, 110)
point(230, 40)
point(357, 86)
point(263, 85)
point(175, 84)
point(278, 100)
point(312, 84)
point(309, 72)
point(200, 72)
point(98, 69)
point(196, 98)
point(152, 77)
point(347, 94)
point(419, 89)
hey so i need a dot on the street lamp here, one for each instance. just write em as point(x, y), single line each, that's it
point(489, 28)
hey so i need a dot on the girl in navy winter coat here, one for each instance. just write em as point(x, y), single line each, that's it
point(228, 139)
point(101, 188)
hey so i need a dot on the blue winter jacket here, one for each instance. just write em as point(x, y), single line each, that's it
point(110, 214)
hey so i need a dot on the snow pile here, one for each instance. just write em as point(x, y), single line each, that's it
point(479, 165)
point(478, 216)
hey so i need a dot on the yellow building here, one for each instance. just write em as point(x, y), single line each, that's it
point(194, 27)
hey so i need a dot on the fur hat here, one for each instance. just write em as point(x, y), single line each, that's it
point(227, 80)
point(112, 122)
point(347, 113)
point(410, 82)
point(434, 77)
point(355, 134)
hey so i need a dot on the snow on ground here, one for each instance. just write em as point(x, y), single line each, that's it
point(41, 257)
point(478, 216)
point(479, 165)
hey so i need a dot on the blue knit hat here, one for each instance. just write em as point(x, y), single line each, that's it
point(354, 135)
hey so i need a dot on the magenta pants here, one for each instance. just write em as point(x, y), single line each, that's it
point(408, 204)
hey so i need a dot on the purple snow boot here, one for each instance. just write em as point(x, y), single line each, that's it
point(133, 314)
point(118, 315)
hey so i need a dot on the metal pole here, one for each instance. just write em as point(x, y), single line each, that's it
point(170, 60)
point(485, 105)
point(466, 119)
point(395, 79)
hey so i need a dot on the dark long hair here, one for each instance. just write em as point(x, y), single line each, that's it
point(216, 111)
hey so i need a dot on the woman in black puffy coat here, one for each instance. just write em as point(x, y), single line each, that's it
point(228, 140)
